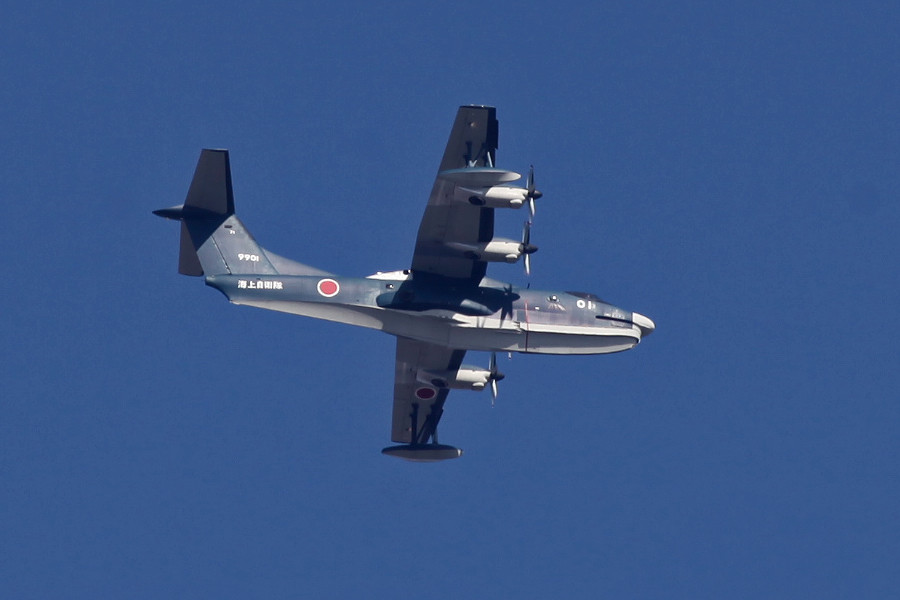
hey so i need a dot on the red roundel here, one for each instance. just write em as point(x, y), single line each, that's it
point(424, 393)
point(328, 287)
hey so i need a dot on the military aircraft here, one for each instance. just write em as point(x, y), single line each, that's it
point(438, 308)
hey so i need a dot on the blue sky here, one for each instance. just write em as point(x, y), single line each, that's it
point(729, 171)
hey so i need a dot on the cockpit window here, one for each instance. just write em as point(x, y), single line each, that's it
point(587, 296)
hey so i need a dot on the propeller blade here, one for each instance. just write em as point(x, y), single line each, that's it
point(529, 186)
point(494, 377)
point(531, 193)
point(526, 248)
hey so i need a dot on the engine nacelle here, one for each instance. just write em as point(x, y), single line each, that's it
point(498, 196)
point(497, 250)
point(466, 378)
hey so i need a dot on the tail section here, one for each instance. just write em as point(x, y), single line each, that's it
point(213, 239)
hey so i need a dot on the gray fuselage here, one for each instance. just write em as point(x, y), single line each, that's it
point(492, 316)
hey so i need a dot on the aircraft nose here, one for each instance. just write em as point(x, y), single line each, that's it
point(645, 323)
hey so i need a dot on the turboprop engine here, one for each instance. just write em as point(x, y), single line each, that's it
point(480, 186)
point(467, 377)
point(498, 196)
point(500, 249)
point(496, 250)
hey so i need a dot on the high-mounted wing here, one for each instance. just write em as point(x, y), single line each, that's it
point(449, 225)
point(418, 404)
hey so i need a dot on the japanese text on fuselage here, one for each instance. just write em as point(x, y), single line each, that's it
point(249, 284)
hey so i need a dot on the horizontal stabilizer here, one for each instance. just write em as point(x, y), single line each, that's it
point(175, 212)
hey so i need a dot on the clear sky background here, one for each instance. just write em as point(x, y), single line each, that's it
point(730, 171)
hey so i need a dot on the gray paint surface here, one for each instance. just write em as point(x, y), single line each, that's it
point(442, 307)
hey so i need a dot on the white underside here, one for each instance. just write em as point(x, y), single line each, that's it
point(470, 333)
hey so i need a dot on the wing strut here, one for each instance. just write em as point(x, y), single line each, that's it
point(429, 427)
point(425, 448)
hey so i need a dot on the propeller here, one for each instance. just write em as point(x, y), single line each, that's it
point(494, 377)
point(531, 193)
point(526, 247)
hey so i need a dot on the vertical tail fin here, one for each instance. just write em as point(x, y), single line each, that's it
point(213, 239)
point(210, 189)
